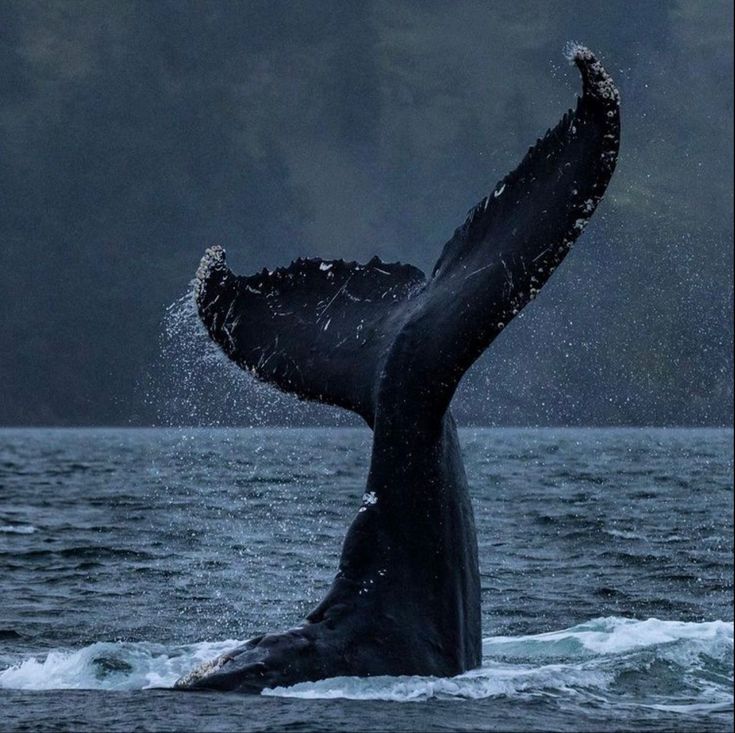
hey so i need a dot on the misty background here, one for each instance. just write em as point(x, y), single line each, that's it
point(134, 134)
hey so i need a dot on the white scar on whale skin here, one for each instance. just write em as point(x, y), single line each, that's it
point(341, 290)
point(478, 270)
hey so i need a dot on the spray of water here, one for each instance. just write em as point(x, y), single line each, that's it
point(194, 384)
point(193, 389)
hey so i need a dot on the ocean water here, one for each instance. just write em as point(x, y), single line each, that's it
point(128, 556)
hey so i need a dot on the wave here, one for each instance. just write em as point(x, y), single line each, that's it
point(111, 666)
point(676, 666)
point(17, 529)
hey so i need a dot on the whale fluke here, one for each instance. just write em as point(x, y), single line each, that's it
point(322, 329)
point(382, 340)
point(518, 234)
point(317, 328)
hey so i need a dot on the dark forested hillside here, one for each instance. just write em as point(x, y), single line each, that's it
point(134, 134)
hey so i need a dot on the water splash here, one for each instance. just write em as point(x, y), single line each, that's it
point(612, 658)
point(110, 666)
point(194, 384)
point(681, 667)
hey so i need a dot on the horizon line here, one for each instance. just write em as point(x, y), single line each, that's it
point(283, 426)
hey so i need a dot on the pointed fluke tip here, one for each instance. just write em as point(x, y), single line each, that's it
point(214, 257)
point(212, 263)
point(597, 82)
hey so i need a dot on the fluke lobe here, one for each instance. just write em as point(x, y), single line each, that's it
point(391, 344)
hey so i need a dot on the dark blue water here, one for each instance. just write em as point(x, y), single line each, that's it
point(128, 556)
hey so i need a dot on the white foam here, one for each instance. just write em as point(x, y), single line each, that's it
point(582, 660)
point(615, 635)
point(17, 529)
point(587, 657)
point(491, 680)
point(110, 666)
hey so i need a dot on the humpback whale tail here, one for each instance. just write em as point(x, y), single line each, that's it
point(323, 329)
point(390, 344)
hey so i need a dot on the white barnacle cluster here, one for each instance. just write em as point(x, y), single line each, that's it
point(609, 156)
point(601, 85)
point(203, 670)
point(214, 257)
point(574, 50)
point(604, 86)
point(369, 498)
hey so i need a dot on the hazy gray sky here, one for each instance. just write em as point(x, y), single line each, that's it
point(136, 133)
